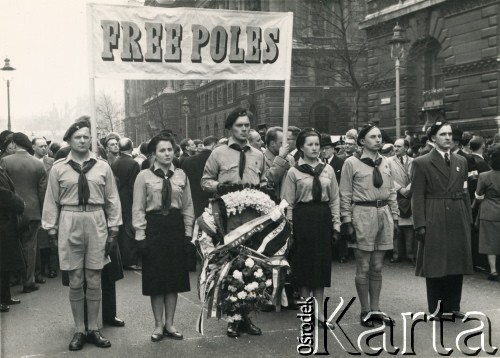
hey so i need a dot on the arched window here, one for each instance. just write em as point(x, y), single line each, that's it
point(321, 119)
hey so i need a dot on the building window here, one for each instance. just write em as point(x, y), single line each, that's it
point(230, 92)
point(220, 96)
point(211, 99)
point(216, 129)
point(321, 119)
point(207, 130)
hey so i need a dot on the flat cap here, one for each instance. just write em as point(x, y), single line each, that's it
point(22, 140)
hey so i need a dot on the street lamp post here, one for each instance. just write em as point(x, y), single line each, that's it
point(398, 50)
point(8, 67)
point(185, 110)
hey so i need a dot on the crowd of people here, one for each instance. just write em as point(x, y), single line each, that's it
point(431, 201)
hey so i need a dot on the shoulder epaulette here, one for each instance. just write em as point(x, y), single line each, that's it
point(59, 161)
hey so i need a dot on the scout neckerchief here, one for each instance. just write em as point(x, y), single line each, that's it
point(314, 172)
point(242, 151)
point(377, 176)
point(83, 185)
point(166, 190)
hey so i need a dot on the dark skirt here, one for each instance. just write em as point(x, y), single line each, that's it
point(489, 239)
point(164, 266)
point(312, 232)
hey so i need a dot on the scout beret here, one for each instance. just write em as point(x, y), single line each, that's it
point(74, 127)
point(364, 131)
point(234, 115)
point(23, 141)
point(436, 127)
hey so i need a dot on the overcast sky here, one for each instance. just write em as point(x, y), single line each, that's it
point(47, 44)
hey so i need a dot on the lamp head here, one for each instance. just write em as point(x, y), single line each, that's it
point(7, 66)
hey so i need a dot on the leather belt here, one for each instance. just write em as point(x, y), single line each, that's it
point(374, 203)
point(88, 207)
point(456, 195)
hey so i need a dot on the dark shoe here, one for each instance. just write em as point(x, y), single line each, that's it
point(342, 260)
point(4, 308)
point(364, 321)
point(52, 274)
point(458, 314)
point(382, 317)
point(292, 306)
point(393, 260)
point(40, 280)
point(248, 327)
point(98, 339)
point(156, 337)
point(267, 308)
point(12, 301)
point(115, 322)
point(77, 342)
point(493, 276)
point(479, 269)
point(175, 335)
point(31, 288)
point(233, 329)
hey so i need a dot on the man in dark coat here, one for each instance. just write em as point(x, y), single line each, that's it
point(11, 256)
point(125, 169)
point(193, 166)
point(442, 219)
point(30, 180)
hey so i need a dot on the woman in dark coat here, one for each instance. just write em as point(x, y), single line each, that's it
point(163, 215)
point(488, 192)
point(11, 257)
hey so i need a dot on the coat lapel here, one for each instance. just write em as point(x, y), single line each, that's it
point(438, 162)
point(455, 170)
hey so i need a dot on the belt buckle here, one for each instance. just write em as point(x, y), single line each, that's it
point(378, 203)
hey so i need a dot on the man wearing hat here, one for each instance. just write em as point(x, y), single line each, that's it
point(82, 213)
point(442, 220)
point(30, 181)
point(369, 213)
point(4, 141)
point(232, 167)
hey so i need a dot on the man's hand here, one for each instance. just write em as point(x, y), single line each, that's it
point(336, 236)
point(396, 229)
point(52, 234)
point(223, 188)
point(284, 150)
point(349, 232)
point(111, 242)
point(404, 192)
point(420, 234)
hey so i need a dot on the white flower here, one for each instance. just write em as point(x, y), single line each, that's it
point(242, 295)
point(233, 299)
point(230, 319)
point(232, 288)
point(269, 283)
point(258, 273)
point(251, 286)
point(238, 275)
point(249, 263)
point(237, 317)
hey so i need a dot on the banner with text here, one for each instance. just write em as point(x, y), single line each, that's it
point(131, 42)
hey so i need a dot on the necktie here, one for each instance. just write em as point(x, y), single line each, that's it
point(447, 159)
point(315, 172)
point(166, 190)
point(402, 161)
point(83, 185)
point(377, 176)
point(242, 151)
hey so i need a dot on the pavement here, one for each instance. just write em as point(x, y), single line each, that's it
point(41, 326)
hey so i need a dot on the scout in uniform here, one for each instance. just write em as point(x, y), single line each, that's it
point(82, 213)
point(232, 167)
point(442, 219)
point(369, 213)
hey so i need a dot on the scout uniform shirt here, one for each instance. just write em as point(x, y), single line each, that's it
point(148, 197)
point(62, 190)
point(223, 167)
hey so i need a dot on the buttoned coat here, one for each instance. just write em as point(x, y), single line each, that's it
point(193, 166)
point(447, 246)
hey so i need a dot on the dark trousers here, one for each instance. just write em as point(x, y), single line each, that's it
point(340, 248)
point(448, 289)
point(29, 245)
point(5, 286)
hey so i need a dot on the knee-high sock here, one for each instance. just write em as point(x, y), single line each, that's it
point(76, 299)
point(94, 295)
point(375, 278)
point(362, 289)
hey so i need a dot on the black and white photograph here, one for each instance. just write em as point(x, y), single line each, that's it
point(249, 178)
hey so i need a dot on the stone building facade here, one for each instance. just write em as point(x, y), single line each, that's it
point(317, 98)
point(452, 67)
